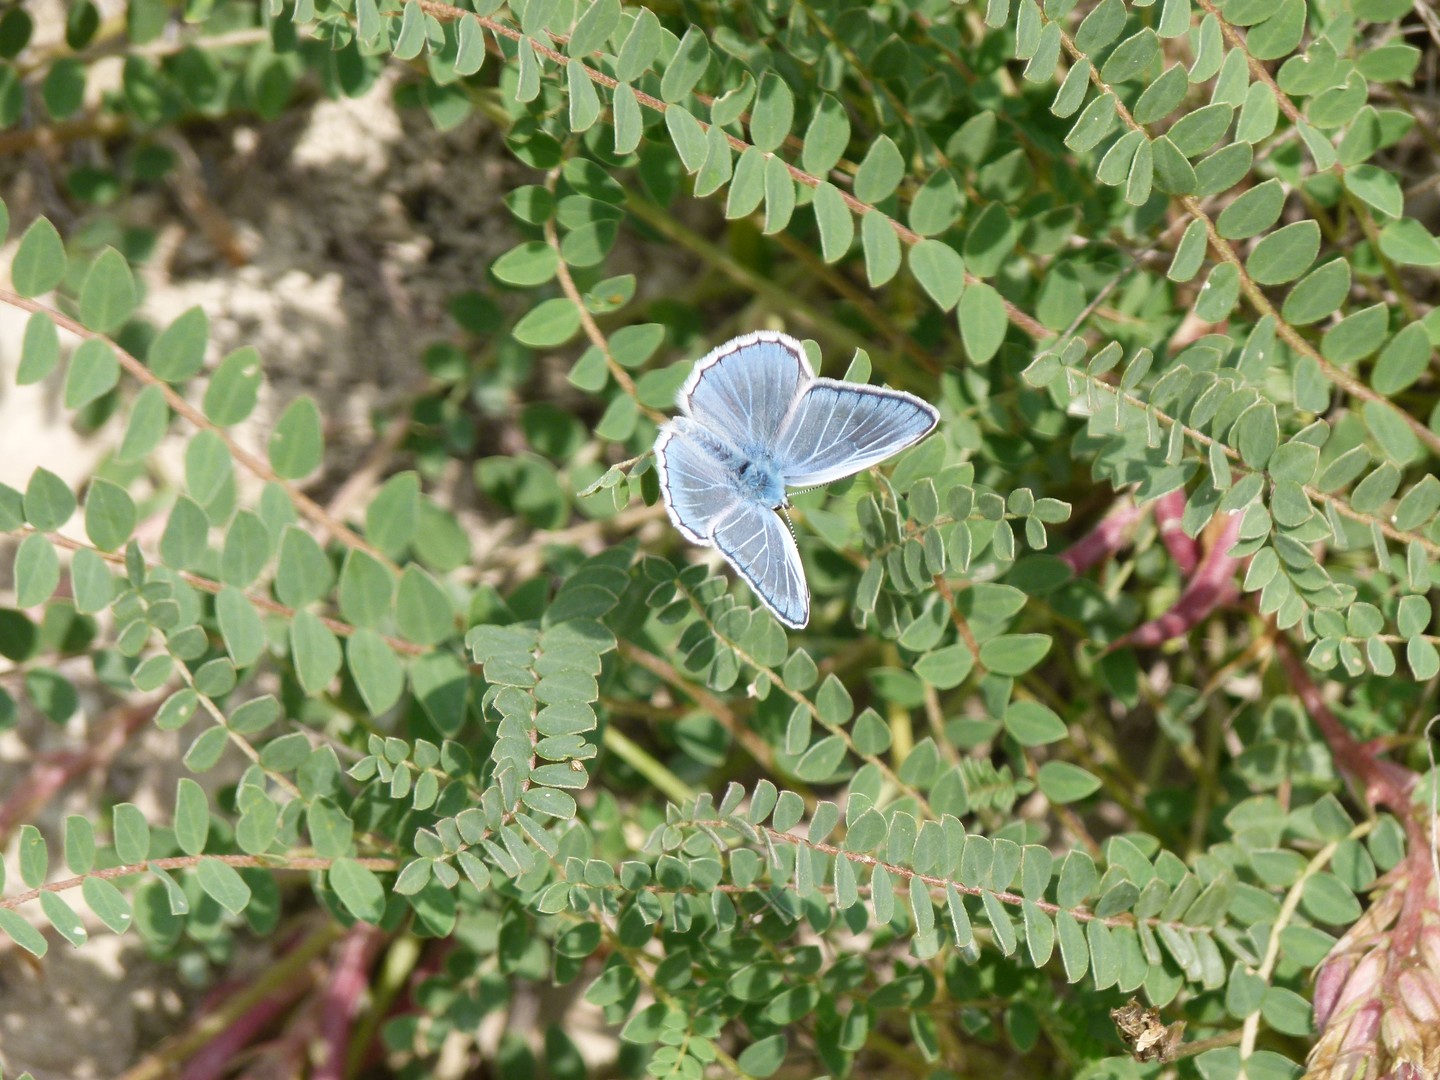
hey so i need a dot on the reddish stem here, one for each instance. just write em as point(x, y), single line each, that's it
point(1210, 586)
point(54, 769)
point(215, 1058)
point(342, 996)
point(1107, 537)
point(1169, 515)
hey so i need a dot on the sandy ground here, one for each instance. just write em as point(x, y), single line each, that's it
point(336, 209)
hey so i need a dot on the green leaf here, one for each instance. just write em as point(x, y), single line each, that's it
point(424, 612)
point(376, 670)
point(550, 322)
point(1278, 35)
point(178, 352)
point(584, 99)
point(303, 573)
point(91, 581)
point(779, 196)
point(1402, 361)
point(1062, 782)
point(192, 816)
point(821, 761)
point(297, 444)
point(108, 903)
point(1199, 130)
point(983, 321)
point(39, 352)
point(1131, 58)
point(247, 549)
point(391, 519)
point(1409, 243)
point(94, 371)
point(1285, 254)
point(526, 265)
point(316, 651)
point(49, 501)
point(132, 834)
point(1318, 294)
point(1376, 186)
point(186, 536)
point(593, 29)
point(880, 172)
point(774, 114)
point(108, 296)
point(940, 271)
point(688, 135)
point(366, 589)
point(34, 857)
point(827, 136)
point(764, 1057)
point(1356, 336)
point(1093, 125)
point(640, 47)
point(13, 926)
point(834, 220)
point(628, 119)
point(1253, 212)
point(149, 419)
point(1161, 97)
point(234, 388)
point(470, 45)
point(358, 889)
point(109, 514)
point(1032, 724)
point(37, 571)
point(687, 66)
point(39, 263)
point(1014, 654)
point(240, 627)
point(411, 39)
point(223, 884)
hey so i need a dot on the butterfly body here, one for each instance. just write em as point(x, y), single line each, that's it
point(755, 421)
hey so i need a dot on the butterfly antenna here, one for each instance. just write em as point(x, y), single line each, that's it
point(785, 511)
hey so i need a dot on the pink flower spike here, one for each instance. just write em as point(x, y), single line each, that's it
point(1210, 587)
point(1108, 536)
point(1169, 513)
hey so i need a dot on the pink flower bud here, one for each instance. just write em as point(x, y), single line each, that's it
point(1330, 979)
point(1419, 995)
point(1364, 982)
point(1364, 1026)
point(1430, 947)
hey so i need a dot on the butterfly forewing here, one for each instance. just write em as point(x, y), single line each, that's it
point(743, 390)
point(758, 544)
point(839, 428)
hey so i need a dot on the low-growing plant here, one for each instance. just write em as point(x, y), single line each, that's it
point(1105, 749)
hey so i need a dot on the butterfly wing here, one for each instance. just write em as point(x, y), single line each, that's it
point(760, 547)
point(695, 480)
point(743, 390)
point(838, 428)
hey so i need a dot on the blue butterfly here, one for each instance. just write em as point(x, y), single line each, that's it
point(756, 420)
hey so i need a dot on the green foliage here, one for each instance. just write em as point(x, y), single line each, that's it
point(1153, 254)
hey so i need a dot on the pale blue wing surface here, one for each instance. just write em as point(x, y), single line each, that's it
point(839, 428)
point(743, 390)
point(695, 482)
point(758, 544)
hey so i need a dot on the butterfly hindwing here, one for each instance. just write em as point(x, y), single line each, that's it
point(838, 428)
point(744, 390)
point(758, 544)
point(694, 479)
